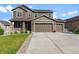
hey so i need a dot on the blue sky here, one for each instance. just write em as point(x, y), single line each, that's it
point(62, 11)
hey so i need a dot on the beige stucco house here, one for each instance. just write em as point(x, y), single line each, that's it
point(25, 19)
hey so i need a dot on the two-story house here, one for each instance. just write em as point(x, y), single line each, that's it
point(25, 19)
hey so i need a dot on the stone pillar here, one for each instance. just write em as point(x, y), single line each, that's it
point(23, 26)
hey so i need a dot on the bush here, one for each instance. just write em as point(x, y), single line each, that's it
point(76, 31)
point(15, 32)
point(11, 33)
point(1, 31)
point(25, 31)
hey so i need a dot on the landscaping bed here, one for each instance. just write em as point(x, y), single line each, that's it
point(10, 44)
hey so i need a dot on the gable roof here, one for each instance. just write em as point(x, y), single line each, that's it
point(45, 11)
point(72, 19)
point(48, 18)
point(42, 16)
point(6, 23)
point(59, 20)
point(23, 7)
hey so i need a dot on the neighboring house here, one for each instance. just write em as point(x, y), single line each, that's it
point(25, 19)
point(72, 23)
point(5, 25)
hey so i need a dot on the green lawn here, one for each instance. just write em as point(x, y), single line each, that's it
point(11, 43)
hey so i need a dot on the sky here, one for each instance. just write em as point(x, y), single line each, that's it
point(60, 11)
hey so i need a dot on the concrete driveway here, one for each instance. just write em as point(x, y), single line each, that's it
point(53, 43)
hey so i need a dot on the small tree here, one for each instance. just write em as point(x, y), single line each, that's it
point(1, 31)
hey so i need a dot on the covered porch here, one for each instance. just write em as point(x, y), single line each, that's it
point(21, 26)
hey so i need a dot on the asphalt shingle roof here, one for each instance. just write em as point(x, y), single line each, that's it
point(6, 23)
point(72, 19)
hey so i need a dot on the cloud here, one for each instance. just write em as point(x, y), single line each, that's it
point(30, 6)
point(54, 16)
point(6, 9)
point(2, 9)
point(70, 13)
point(55, 13)
point(9, 8)
point(63, 15)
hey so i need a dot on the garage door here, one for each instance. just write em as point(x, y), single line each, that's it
point(59, 27)
point(43, 27)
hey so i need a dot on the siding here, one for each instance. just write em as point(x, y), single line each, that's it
point(72, 25)
point(42, 20)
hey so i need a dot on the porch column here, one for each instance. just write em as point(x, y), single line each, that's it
point(12, 27)
point(27, 25)
point(23, 26)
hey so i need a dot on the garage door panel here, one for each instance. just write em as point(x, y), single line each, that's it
point(43, 27)
point(59, 28)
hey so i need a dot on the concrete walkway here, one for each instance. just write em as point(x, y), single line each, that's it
point(53, 43)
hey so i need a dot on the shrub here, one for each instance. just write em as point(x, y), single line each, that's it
point(25, 31)
point(1, 31)
point(76, 31)
point(15, 32)
point(11, 33)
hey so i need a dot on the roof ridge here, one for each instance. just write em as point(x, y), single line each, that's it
point(33, 10)
point(72, 18)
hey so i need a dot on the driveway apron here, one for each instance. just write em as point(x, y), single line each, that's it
point(53, 43)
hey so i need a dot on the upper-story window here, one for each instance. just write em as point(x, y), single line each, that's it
point(29, 14)
point(19, 14)
point(49, 14)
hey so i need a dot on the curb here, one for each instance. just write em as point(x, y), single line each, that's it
point(22, 49)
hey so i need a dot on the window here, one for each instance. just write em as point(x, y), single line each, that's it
point(29, 15)
point(35, 15)
point(49, 14)
point(19, 14)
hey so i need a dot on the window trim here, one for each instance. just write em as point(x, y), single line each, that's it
point(19, 14)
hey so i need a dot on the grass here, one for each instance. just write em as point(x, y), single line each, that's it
point(11, 43)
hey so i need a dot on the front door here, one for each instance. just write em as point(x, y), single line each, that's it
point(28, 25)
